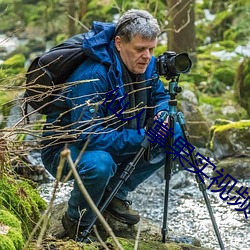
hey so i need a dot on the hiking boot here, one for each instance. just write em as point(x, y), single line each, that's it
point(121, 211)
point(75, 231)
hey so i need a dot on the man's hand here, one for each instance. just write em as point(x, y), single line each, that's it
point(162, 116)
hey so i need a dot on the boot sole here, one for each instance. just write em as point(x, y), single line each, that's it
point(121, 219)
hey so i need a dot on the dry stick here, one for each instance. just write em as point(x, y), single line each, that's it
point(45, 217)
point(137, 236)
point(99, 238)
point(66, 154)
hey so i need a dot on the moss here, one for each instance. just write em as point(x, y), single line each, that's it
point(229, 45)
point(235, 125)
point(220, 103)
point(9, 219)
point(13, 239)
point(221, 133)
point(16, 237)
point(128, 244)
point(21, 199)
point(13, 71)
point(214, 101)
point(6, 243)
point(16, 61)
point(225, 75)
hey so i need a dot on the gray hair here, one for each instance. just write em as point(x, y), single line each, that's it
point(137, 22)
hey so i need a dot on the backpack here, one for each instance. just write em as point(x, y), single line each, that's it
point(47, 74)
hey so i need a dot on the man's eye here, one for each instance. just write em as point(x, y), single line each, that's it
point(139, 50)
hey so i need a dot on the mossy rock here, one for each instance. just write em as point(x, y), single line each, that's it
point(22, 200)
point(238, 167)
point(11, 237)
point(225, 75)
point(150, 235)
point(219, 107)
point(230, 139)
point(128, 244)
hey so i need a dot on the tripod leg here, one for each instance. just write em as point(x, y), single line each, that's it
point(201, 185)
point(168, 173)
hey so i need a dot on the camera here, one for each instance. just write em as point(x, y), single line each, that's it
point(171, 65)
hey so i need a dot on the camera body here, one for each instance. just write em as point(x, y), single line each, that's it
point(171, 65)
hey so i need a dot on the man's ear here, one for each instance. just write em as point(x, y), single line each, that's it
point(118, 42)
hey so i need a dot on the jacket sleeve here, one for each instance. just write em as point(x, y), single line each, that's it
point(88, 115)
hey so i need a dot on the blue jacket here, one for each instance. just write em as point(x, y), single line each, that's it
point(88, 118)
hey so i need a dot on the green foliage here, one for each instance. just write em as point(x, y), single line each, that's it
point(216, 67)
point(229, 23)
point(17, 61)
point(22, 200)
point(214, 101)
point(224, 75)
point(12, 67)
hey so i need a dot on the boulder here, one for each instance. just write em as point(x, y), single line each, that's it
point(149, 238)
point(230, 140)
point(238, 167)
point(197, 125)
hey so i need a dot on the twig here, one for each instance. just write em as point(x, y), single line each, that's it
point(66, 155)
point(99, 238)
point(137, 236)
point(77, 21)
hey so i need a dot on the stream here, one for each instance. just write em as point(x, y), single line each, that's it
point(187, 211)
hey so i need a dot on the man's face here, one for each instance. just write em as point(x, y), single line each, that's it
point(137, 53)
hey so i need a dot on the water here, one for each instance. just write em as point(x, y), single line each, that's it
point(188, 215)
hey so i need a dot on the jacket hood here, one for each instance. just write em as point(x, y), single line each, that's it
point(98, 43)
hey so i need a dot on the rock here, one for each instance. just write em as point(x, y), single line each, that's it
point(238, 167)
point(189, 96)
point(197, 125)
point(228, 110)
point(180, 180)
point(149, 238)
point(230, 139)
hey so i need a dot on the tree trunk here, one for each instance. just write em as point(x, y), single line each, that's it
point(181, 27)
point(83, 7)
point(71, 6)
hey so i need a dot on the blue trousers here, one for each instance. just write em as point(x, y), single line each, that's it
point(99, 171)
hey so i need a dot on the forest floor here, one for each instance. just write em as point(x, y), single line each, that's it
point(144, 236)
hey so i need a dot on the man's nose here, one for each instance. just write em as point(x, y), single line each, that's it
point(146, 54)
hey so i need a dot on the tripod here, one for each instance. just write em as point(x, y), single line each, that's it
point(173, 90)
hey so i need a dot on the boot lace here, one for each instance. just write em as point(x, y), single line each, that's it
point(127, 203)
